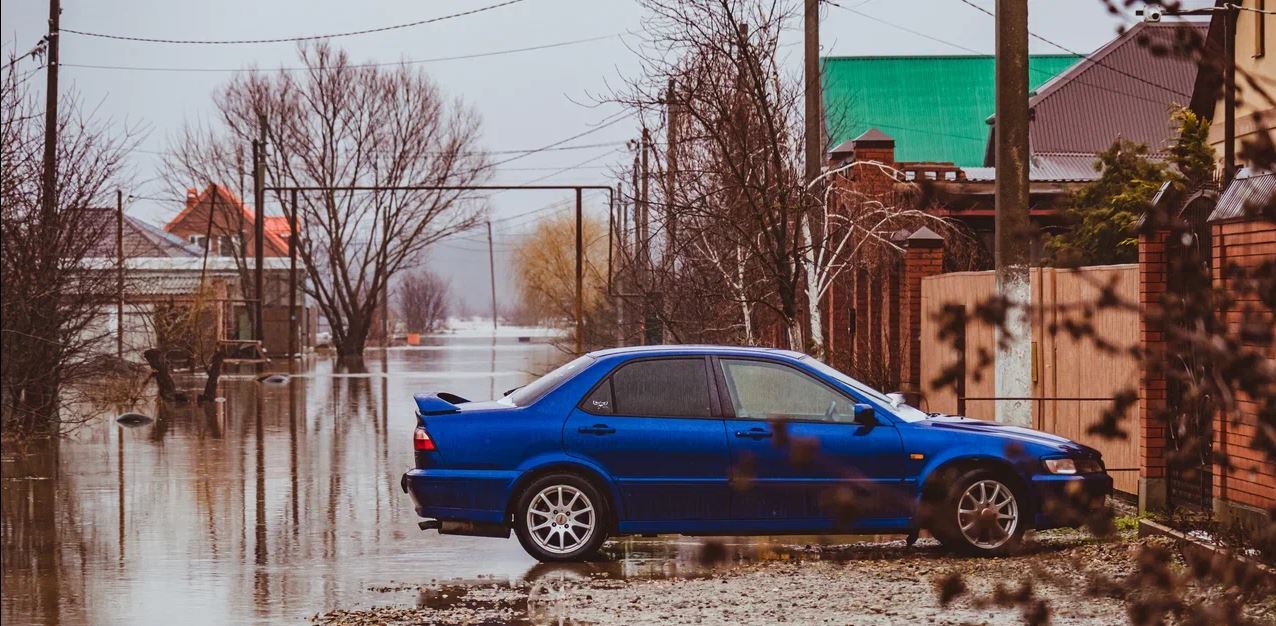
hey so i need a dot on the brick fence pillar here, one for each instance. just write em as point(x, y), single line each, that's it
point(1152, 382)
point(923, 256)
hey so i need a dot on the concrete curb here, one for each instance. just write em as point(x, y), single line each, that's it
point(1148, 528)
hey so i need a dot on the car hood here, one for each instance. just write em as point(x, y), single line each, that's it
point(1010, 433)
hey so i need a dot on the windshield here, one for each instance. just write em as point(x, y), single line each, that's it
point(534, 390)
point(904, 411)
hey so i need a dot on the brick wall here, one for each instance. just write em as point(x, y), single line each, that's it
point(1152, 383)
point(923, 257)
point(1251, 481)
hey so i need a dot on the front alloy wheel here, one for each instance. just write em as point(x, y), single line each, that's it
point(988, 514)
point(561, 518)
point(981, 514)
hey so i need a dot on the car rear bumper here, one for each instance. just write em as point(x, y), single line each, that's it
point(1063, 500)
point(464, 496)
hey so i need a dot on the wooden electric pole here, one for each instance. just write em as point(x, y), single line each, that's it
point(259, 230)
point(672, 120)
point(49, 190)
point(580, 276)
point(811, 73)
point(119, 274)
point(491, 267)
point(293, 242)
point(1014, 339)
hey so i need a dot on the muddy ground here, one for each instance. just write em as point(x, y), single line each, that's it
point(1062, 578)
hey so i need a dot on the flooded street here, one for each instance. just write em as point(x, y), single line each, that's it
point(280, 503)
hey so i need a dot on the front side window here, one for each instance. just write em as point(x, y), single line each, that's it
point(662, 388)
point(770, 391)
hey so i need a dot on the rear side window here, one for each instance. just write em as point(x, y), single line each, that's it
point(599, 402)
point(526, 395)
point(662, 388)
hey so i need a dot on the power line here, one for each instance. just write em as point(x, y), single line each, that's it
point(421, 155)
point(460, 57)
point(219, 42)
point(1088, 57)
point(907, 29)
point(986, 54)
point(619, 117)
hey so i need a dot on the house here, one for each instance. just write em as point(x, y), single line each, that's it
point(219, 215)
point(934, 107)
point(1235, 229)
point(162, 270)
point(1125, 89)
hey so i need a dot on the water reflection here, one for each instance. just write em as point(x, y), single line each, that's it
point(278, 503)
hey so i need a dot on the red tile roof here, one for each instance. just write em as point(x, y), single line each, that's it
point(276, 239)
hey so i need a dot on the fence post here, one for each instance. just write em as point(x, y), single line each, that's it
point(1152, 381)
point(923, 256)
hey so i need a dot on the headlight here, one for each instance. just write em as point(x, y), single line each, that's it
point(1074, 466)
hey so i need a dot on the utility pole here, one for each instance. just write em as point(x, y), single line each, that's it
point(1229, 93)
point(1014, 335)
point(811, 71)
point(621, 237)
point(491, 264)
point(259, 228)
point(672, 120)
point(651, 323)
point(119, 274)
point(50, 191)
point(580, 277)
point(293, 240)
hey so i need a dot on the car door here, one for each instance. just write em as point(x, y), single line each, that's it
point(801, 460)
point(653, 425)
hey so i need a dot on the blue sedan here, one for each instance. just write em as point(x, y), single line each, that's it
point(704, 440)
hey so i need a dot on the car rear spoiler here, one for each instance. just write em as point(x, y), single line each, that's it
point(438, 403)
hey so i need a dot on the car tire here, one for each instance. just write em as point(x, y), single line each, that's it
point(981, 513)
point(561, 517)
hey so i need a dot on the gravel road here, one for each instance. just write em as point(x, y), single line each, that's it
point(1062, 578)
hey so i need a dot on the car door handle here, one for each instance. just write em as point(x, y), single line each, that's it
point(753, 433)
point(596, 429)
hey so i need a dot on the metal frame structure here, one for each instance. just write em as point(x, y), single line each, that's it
point(295, 190)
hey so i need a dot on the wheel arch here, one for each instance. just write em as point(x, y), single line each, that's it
point(932, 488)
point(591, 474)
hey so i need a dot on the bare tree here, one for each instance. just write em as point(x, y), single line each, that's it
point(53, 301)
point(423, 301)
point(737, 190)
point(336, 124)
point(852, 229)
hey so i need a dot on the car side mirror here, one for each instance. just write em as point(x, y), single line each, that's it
point(864, 414)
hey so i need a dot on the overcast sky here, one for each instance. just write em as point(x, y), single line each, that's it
point(526, 99)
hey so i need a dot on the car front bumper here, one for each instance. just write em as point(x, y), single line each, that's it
point(1069, 500)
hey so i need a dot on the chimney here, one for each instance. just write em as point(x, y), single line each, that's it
point(192, 194)
point(874, 145)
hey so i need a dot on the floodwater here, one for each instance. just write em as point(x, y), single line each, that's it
point(281, 503)
point(277, 504)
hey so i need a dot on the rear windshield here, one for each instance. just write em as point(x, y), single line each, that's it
point(534, 390)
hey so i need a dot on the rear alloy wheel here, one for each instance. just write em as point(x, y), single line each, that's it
point(982, 514)
point(561, 517)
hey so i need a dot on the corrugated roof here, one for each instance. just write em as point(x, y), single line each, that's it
point(1251, 192)
point(1122, 90)
point(934, 107)
point(140, 239)
point(1053, 168)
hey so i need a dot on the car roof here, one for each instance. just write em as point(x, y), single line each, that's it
point(697, 349)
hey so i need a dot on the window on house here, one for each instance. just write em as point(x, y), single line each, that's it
point(199, 241)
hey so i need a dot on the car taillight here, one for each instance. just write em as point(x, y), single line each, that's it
point(421, 440)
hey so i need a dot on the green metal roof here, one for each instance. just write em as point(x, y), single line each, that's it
point(934, 106)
